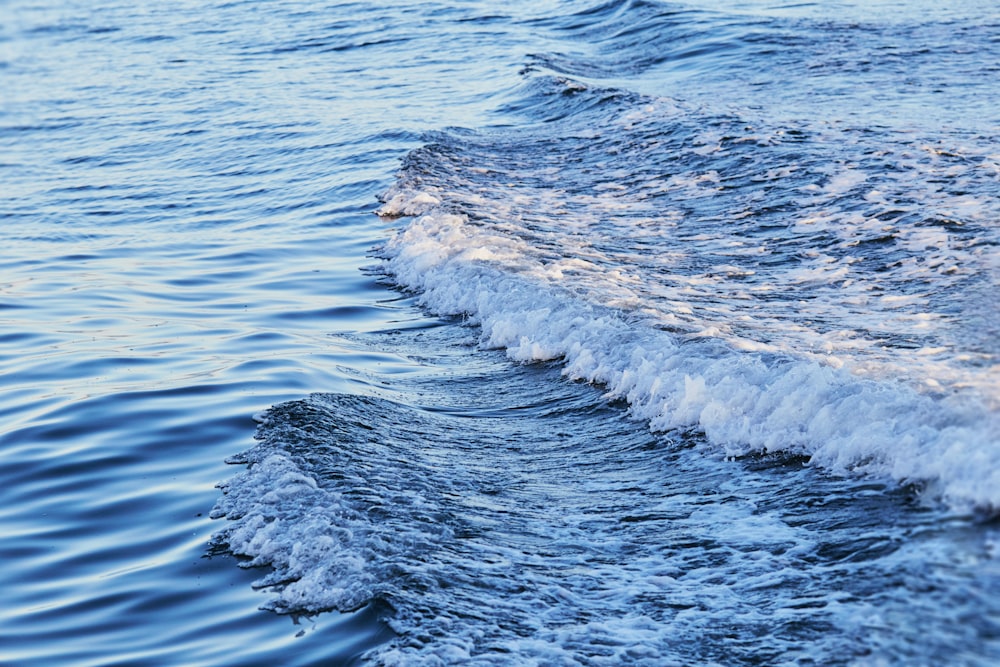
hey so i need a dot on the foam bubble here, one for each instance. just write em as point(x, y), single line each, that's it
point(549, 529)
point(743, 400)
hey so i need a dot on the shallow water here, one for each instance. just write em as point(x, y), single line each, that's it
point(751, 254)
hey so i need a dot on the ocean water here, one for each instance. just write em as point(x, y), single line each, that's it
point(548, 333)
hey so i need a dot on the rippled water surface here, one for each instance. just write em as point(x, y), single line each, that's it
point(675, 340)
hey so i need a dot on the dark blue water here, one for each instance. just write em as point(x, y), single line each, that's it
point(675, 340)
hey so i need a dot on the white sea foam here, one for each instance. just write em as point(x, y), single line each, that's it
point(592, 544)
point(777, 288)
point(743, 399)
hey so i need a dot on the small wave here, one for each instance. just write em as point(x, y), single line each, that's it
point(817, 288)
point(509, 517)
point(743, 401)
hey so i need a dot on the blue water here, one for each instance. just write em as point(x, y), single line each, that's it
point(675, 339)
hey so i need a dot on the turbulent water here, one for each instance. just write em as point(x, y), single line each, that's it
point(675, 338)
